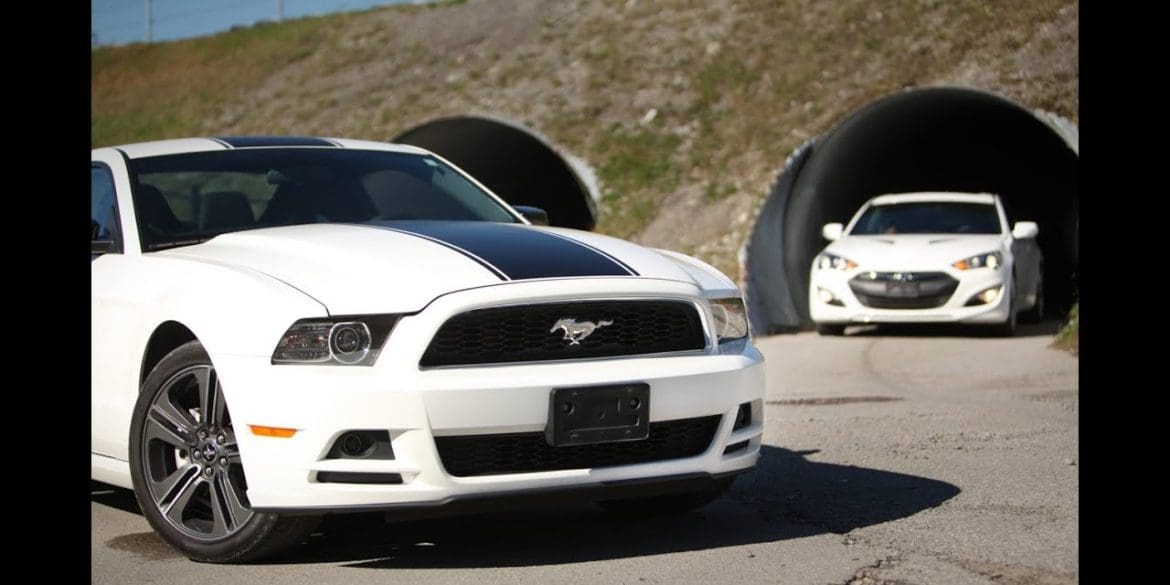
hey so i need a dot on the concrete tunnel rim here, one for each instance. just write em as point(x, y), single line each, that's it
point(1060, 126)
point(582, 171)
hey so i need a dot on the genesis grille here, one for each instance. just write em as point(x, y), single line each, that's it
point(903, 290)
point(529, 333)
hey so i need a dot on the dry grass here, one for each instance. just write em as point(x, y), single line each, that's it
point(736, 85)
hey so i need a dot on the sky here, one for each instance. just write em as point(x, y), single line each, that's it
point(115, 22)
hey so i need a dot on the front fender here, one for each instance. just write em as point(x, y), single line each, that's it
point(232, 311)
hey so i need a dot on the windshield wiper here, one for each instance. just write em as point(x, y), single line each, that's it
point(174, 244)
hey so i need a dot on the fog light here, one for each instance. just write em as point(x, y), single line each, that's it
point(986, 297)
point(354, 445)
point(828, 298)
point(362, 444)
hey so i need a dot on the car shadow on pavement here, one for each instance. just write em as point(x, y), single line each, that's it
point(114, 497)
point(1046, 328)
point(787, 496)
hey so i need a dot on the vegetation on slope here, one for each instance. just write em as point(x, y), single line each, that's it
point(686, 108)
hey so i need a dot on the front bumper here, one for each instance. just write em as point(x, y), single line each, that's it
point(414, 406)
point(848, 309)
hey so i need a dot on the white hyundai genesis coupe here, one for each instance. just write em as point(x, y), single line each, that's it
point(285, 327)
point(927, 257)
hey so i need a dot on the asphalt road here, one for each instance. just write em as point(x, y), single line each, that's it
point(908, 457)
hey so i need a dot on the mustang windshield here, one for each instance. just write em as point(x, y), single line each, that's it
point(189, 198)
point(928, 217)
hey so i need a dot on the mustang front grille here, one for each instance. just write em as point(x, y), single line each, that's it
point(471, 455)
point(903, 290)
point(565, 331)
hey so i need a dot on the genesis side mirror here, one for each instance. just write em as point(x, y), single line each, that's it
point(832, 231)
point(1025, 230)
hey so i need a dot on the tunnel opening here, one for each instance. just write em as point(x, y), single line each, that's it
point(515, 163)
point(933, 139)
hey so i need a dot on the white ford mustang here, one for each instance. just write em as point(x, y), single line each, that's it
point(284, 327)
point(927, 257)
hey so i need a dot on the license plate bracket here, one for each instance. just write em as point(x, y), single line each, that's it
point(902, 290)
point(598, 414)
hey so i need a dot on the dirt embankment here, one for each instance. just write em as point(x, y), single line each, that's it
point(686, 109)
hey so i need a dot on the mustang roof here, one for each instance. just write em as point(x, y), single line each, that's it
point(924, 196)
point(187, 145)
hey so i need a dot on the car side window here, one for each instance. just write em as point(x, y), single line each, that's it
point(104, 225)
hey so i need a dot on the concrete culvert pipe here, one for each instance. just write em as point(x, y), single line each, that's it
point(514, 162)
point(934, 139)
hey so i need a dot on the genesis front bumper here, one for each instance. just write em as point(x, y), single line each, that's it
point(846, 308)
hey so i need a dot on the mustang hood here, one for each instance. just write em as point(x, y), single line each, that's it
point(912, 251)
point(402, 266)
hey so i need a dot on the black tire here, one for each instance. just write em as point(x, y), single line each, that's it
point(830, 329)
point(1008, 328)
point(667, 504)
point(186, 468)
point(1036, 313)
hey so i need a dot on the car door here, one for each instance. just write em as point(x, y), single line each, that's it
point(115, 357)
point(1025, 258)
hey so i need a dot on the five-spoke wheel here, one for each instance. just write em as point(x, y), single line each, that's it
point(186, 467)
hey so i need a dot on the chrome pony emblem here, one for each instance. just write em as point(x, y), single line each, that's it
point(576, 332)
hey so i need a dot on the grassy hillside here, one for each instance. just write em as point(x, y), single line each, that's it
point(686, 108)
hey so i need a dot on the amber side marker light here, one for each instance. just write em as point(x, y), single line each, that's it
point(272, 431)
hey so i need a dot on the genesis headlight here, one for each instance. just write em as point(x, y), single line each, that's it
point(827, 261)
point(731, 321)
point(990, 260)
point(350, 341)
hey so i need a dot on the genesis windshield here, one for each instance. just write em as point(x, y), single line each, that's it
point(928, 217)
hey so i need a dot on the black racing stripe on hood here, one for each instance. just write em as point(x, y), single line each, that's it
point(515, 252)
point(488, 265)
point(259, 141)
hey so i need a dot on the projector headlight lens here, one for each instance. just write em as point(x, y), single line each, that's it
point(345, 341)
point(989, 260)
point(731, 321)
point(827, 261)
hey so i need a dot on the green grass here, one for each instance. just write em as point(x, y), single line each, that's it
point(637, 170)
point(1068, 338)
point(167, 90)
point(737, 86)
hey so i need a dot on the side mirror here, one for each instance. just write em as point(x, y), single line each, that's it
point(102, 247)
point(1025, 230)
point(534, 215)
point(97, 246)
point(832, 231)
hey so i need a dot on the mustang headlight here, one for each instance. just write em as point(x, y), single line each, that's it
point(731, 321)
point(351, 341)
point(827, 261)
point(990, 260)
